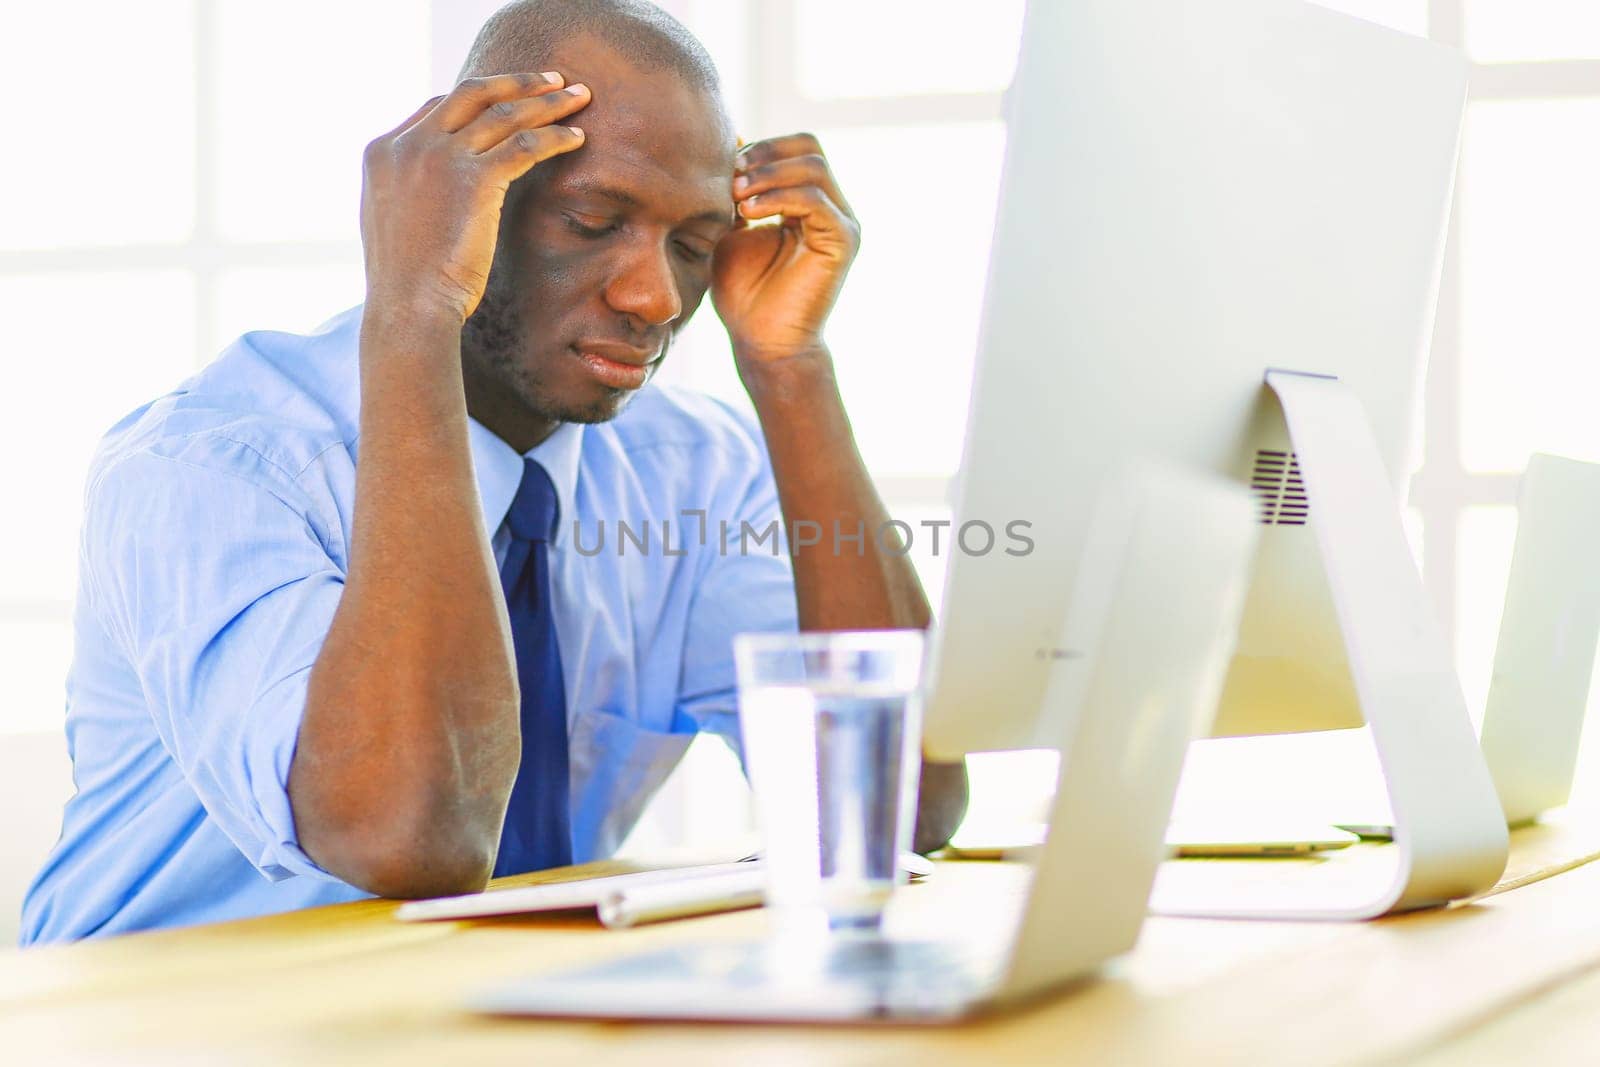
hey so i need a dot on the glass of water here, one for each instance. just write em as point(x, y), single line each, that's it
point(832, 728)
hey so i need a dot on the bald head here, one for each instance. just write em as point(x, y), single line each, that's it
point(527, 34)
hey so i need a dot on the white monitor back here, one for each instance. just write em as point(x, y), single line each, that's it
point(1193, 193)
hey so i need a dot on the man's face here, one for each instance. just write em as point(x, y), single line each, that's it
point(603, 252)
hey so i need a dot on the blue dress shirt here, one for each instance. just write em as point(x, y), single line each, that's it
point(215, 542)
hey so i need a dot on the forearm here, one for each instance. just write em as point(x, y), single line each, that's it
point(839, 584)
point(410, 739)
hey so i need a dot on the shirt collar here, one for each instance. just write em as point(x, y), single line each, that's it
point(499, 469)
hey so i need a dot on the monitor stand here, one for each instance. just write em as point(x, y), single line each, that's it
point(1450, 839)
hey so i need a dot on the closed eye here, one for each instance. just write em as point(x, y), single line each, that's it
point(583, 227)
point(693, 252)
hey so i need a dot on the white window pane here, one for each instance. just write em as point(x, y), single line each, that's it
point(1408, 15)
point(99, 123)
point(294, 299)
point(1500, 31)
point(906, 327)
point(1010, 789)
point(83, 350)
point(33, 670)
point(302, 87)
point(1483, 562)
point(845, 48)
point(451, 30)
point(1530, 231)
point(724, 29)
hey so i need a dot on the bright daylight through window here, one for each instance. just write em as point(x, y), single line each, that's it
point(237, 211)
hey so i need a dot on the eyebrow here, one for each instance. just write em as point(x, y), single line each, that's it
point(589, 187)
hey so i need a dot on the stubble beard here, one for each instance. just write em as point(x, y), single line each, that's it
point(495, 338)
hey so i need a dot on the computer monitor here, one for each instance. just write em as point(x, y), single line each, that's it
point(1195, 194)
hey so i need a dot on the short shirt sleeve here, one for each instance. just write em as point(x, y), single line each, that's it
point(214, 581)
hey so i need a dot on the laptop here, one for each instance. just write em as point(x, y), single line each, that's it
point(1155, 629)
point(1544, 658)
point(1545, 653)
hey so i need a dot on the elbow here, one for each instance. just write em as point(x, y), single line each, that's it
point(413, 809)
point(409, 866)
point(410, 848)
point(941, 805)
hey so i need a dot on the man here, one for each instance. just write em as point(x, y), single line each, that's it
point(329, 643)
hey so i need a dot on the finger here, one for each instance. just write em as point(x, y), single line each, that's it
point(416, 116)
point(464, 103)
point(788, 173)
point(517, 154)
point(806, 205)
point(776, 148)
point(505, 117)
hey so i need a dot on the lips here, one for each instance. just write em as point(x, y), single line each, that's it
point(618, 366)
point(616, 353)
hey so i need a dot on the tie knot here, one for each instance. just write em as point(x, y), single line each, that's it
point(534, 510)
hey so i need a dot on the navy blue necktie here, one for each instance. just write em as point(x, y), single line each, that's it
point(537, 831)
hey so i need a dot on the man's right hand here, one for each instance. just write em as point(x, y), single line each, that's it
point(433, 187)
point(411, 736)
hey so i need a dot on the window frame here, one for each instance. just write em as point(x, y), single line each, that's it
point(205, 255)
point(1441, 491)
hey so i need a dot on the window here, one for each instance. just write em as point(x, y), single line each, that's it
point(1516, 348)
point(907, 323)
point(218, 193)
point(195, 175)
point(1514, 358)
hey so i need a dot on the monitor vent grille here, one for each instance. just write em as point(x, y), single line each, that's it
point(1279, 489)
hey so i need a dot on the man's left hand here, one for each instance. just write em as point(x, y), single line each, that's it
point(774, 285)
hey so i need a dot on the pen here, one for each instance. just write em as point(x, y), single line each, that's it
point(727, 890)
point(648, 903)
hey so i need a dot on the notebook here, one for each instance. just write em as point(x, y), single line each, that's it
point(623, 900)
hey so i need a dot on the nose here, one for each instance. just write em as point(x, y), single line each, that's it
point(645, 287)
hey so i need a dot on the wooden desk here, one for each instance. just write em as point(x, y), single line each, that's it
point(350, 985)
